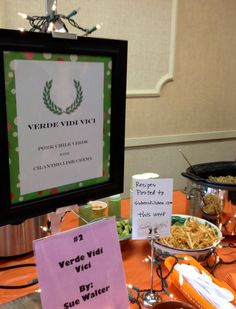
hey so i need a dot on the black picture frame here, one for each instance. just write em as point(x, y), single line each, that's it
point(32, 42)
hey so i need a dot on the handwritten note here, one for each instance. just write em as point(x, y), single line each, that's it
point(151, 207)
point(82, 268)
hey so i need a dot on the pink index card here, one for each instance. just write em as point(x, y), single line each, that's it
point(82, 268)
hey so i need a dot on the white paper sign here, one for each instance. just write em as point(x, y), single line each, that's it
point(151, 207)
point(60, 122)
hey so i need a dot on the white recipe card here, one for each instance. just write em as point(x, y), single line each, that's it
point(151, 207)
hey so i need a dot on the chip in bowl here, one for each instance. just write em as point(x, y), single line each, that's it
point(189, 236)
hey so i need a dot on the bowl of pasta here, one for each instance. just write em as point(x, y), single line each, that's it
point(189, 235)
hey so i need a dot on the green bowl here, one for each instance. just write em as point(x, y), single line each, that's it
point(127, 225)
point(127, 221)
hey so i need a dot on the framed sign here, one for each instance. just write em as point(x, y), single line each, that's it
point(62, 121)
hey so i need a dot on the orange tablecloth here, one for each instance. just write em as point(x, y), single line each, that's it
point(137, 271)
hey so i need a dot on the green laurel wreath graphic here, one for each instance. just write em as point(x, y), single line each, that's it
point(56, 109)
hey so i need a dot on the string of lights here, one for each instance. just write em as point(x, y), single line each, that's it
point(137, 299)
point(211, 263)
point(54, 22)
point(217, 260)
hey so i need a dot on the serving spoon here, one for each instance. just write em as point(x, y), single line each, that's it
point(190, 165)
